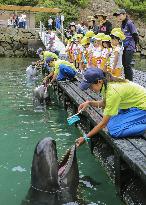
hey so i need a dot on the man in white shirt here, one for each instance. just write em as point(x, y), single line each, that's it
point(50, 22)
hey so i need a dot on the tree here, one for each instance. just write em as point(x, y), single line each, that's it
point(20, 2)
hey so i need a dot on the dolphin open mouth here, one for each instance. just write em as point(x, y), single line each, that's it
point(48, 173)
point(66, 162)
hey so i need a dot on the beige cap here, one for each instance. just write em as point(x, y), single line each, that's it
point(101, 13)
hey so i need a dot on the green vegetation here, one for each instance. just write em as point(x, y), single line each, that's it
point(20, 2)
point(137, 7)
point(70, 8)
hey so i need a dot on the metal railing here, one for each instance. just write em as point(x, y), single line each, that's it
point(43, 29)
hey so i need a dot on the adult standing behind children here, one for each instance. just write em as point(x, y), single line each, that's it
point(129, 43)
point(105, 25)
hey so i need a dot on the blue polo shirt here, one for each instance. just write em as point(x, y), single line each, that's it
point(128, 29)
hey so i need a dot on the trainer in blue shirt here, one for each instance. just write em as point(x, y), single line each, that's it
point(129, 43)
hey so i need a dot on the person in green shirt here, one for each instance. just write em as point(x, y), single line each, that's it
point(62, 70)
point(46, 54)
point(123, 104)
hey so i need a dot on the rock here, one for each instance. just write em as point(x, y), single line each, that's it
point(16, 42)
point(142, 42)
point(19, 53)
point(142, 32)
point(6, 46)
point(16, 38)
point(1, 51)
point(16, 45)
point(24, 41)
point(9, 53)
point(143, 52)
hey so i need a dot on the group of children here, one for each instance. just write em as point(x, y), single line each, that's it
point(102, 51)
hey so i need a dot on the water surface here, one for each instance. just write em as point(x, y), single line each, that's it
point(20, 130)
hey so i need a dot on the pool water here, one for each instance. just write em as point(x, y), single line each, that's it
point(21, 127)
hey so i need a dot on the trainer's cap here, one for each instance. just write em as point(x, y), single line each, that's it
point(119, 11)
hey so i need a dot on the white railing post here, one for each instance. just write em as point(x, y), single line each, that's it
point(62, 29)
point(41, 28)
point(62, 32)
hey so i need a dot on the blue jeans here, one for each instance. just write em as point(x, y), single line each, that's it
point(126, 60)
point(130, 122)
point(66, 72)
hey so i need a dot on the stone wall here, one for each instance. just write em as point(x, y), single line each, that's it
point(19, 42)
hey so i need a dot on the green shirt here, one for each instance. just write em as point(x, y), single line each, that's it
point(59, 62)
point(47, 54)
point(123, 95)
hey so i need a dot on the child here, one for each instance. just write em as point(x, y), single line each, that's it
point(78, 50)
point(95, 55)
point(106, 51)
point(70, 50)
point(86, 49)
point(115, 60)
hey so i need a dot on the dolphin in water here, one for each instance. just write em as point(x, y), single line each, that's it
point(52, 182)
point(40, 96)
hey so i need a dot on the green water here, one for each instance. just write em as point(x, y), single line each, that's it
point(20, 130)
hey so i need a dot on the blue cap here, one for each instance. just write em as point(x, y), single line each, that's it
point(49, 59)
point(39, 51)
point(90, 76)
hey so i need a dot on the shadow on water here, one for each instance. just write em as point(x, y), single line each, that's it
point(21, 129)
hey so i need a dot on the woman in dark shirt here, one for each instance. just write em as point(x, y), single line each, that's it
point(129, 43)
point(104, 26)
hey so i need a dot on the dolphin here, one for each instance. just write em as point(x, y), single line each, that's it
point(52, 182)
point(41, 95)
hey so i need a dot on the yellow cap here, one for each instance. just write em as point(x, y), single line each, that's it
point(89, 34)
point(116, 29)
point(85, 41)
point(79, 35)
point(106, 38)
point(118, 34)
point(99, 36)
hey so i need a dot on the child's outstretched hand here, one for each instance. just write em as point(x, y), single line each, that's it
point(79, 141)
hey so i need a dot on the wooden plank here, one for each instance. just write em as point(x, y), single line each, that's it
point(84, 95)
point(29, 8)
point(128, 151)
point(134, 158)
point(95, 118)
point(89, 92)
point(140, 144)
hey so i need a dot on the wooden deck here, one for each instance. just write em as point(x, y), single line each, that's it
point(123, 159)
